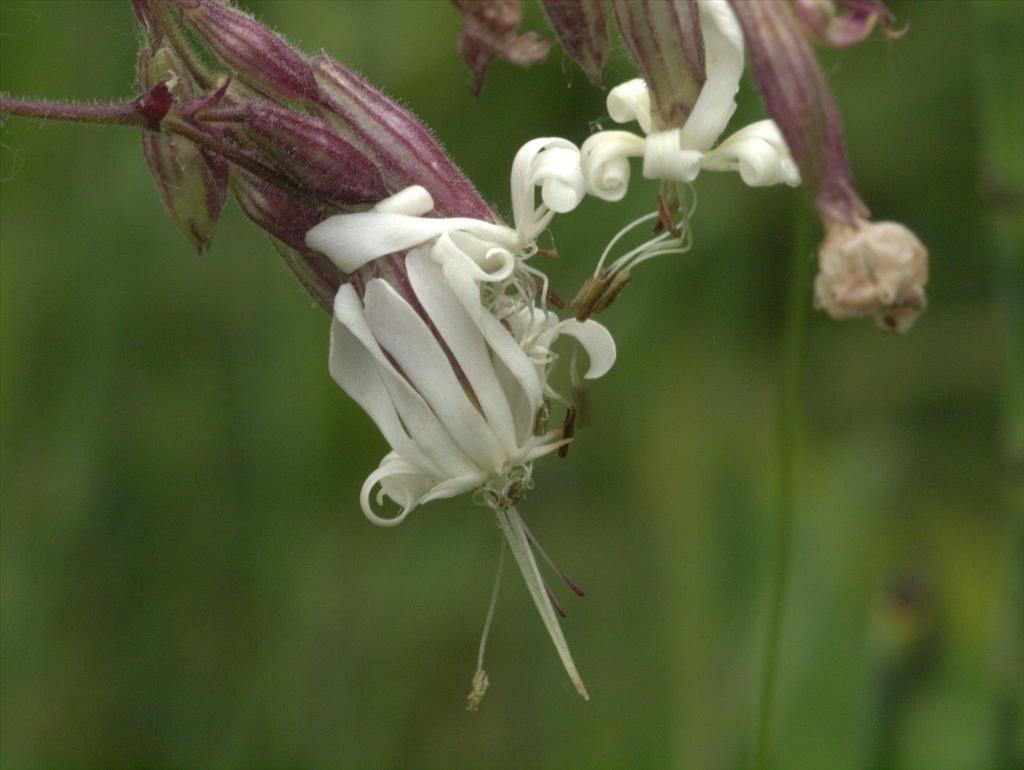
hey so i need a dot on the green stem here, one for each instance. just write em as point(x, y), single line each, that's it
point(1000, 74)
point(786, 432)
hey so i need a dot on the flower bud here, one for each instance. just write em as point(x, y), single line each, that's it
point(666, 42)
point(582, 29)
point(275, 211)
point(873, 268)
point(253, 51)
point(310, 152)
point(398, 143)
point(192, 183)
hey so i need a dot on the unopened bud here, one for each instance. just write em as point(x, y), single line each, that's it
point(400, 145)
point(873, 268)
point(192, 183)
point(274, 210)
point(253, 51)
point(309, 151)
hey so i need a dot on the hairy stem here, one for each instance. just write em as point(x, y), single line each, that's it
point(786, 431)
point(114, 113)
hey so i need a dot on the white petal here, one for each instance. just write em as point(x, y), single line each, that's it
point(760, 154)
point(453, 487)
point(465, 342)
point(594, 338)
point(723, 47)
point(553, 164)
point(557, 171)
point(489, 262)
point(404, 483)
point(419, 421)
point(665, 158)
point(413, 200)
point(519, 543)
point(406, 337)
point(504, 346)
point(604, 160)
point(352, 240)
point(631, 101)
point(353, 367)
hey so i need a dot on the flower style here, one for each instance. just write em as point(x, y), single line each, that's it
point(443, 336)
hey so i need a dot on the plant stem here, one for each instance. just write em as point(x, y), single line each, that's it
point(786, 431)
point(1000, 73)
point(115, 113)
point(132, 114)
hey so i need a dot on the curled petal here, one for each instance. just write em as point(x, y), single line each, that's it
point(665, 158)
point(631, 101)
point(414, 200)
point(595, 339)
point(545, 328)
point(759, 153)
point(553, 165)
point(403, 482)
point(604, 159)
point(485, 262)
point(557, 172)
point(352, 240)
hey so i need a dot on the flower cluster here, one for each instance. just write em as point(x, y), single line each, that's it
point(690, 53)
point(441, 327)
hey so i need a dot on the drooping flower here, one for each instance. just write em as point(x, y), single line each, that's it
point(865, 268)
point(690, 53)
point(681, 128)
point(678, 152)
point(443, 336)
point(440, 329)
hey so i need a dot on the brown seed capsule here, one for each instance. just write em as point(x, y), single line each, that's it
point(876, 268)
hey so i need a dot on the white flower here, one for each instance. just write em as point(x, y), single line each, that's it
point(455, 393)
point(757, 151)
point(449, 348)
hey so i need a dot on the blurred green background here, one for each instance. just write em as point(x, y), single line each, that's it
point(188, 581)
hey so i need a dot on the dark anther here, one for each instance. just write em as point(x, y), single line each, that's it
point(568, 430)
